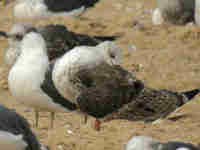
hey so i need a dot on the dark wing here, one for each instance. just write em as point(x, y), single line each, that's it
point(106, 88)
point(149, 105)
point(60, 40)
point(68, 5)
point(49, 88)
point(12, 122)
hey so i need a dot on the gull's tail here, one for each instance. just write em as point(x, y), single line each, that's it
point(106, 38)
point(191, 94)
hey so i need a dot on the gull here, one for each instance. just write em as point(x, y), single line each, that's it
point(15, 132)
point(59, 40)
point(176, 12)
point(40, 81)
point(46, 8)
point(148, 143)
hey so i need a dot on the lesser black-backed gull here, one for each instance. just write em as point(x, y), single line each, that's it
point(45, 8)
point(40, 82)
point(109, 101)
point(175, 12)
point(15, 132)
point(148, 143)
point(58, 38)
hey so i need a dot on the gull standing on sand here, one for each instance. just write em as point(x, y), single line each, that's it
point(40, 82)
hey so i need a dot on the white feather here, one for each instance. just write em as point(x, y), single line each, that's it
point(157, 17)
point(140, 143)
point(28, 73)
point(197, 12)
point(30, 8)
point(9, 141)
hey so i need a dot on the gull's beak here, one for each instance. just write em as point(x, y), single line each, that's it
point(12, 36)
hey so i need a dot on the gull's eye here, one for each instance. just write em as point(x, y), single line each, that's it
point(19, 37)
point(112, 55)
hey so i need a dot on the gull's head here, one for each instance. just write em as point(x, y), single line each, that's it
point(112, 53)
point(142, 143)
point(17, 32)
point(15, 37)
point(33, 43)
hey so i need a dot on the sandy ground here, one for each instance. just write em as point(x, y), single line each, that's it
point(165, 56)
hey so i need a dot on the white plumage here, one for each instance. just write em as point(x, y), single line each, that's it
point(28, 73)
point(197, 12)
point(157, 17)
point(140, 143)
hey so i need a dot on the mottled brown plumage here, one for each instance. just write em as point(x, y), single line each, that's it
point(106, 89)
point(114, 93)
point(149, 105)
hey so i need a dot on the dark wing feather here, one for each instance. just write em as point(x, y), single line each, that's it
point(106, 89)
point(149, 105)
point(68, 5)
point(60, 40)
point(49, 88)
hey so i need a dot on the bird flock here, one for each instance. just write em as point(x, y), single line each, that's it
point(59, 70)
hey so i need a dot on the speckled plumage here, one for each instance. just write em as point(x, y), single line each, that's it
point(151, 104)
point(105, 89)
point(112, 93)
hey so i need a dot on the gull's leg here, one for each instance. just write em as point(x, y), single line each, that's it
point(52, 118)
point(97, 125)
point(36, 118)
point(85, 118)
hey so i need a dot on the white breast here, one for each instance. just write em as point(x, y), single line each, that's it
point(66, 67)
point(197, 12)
point(157, 17)
point(31, 8)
